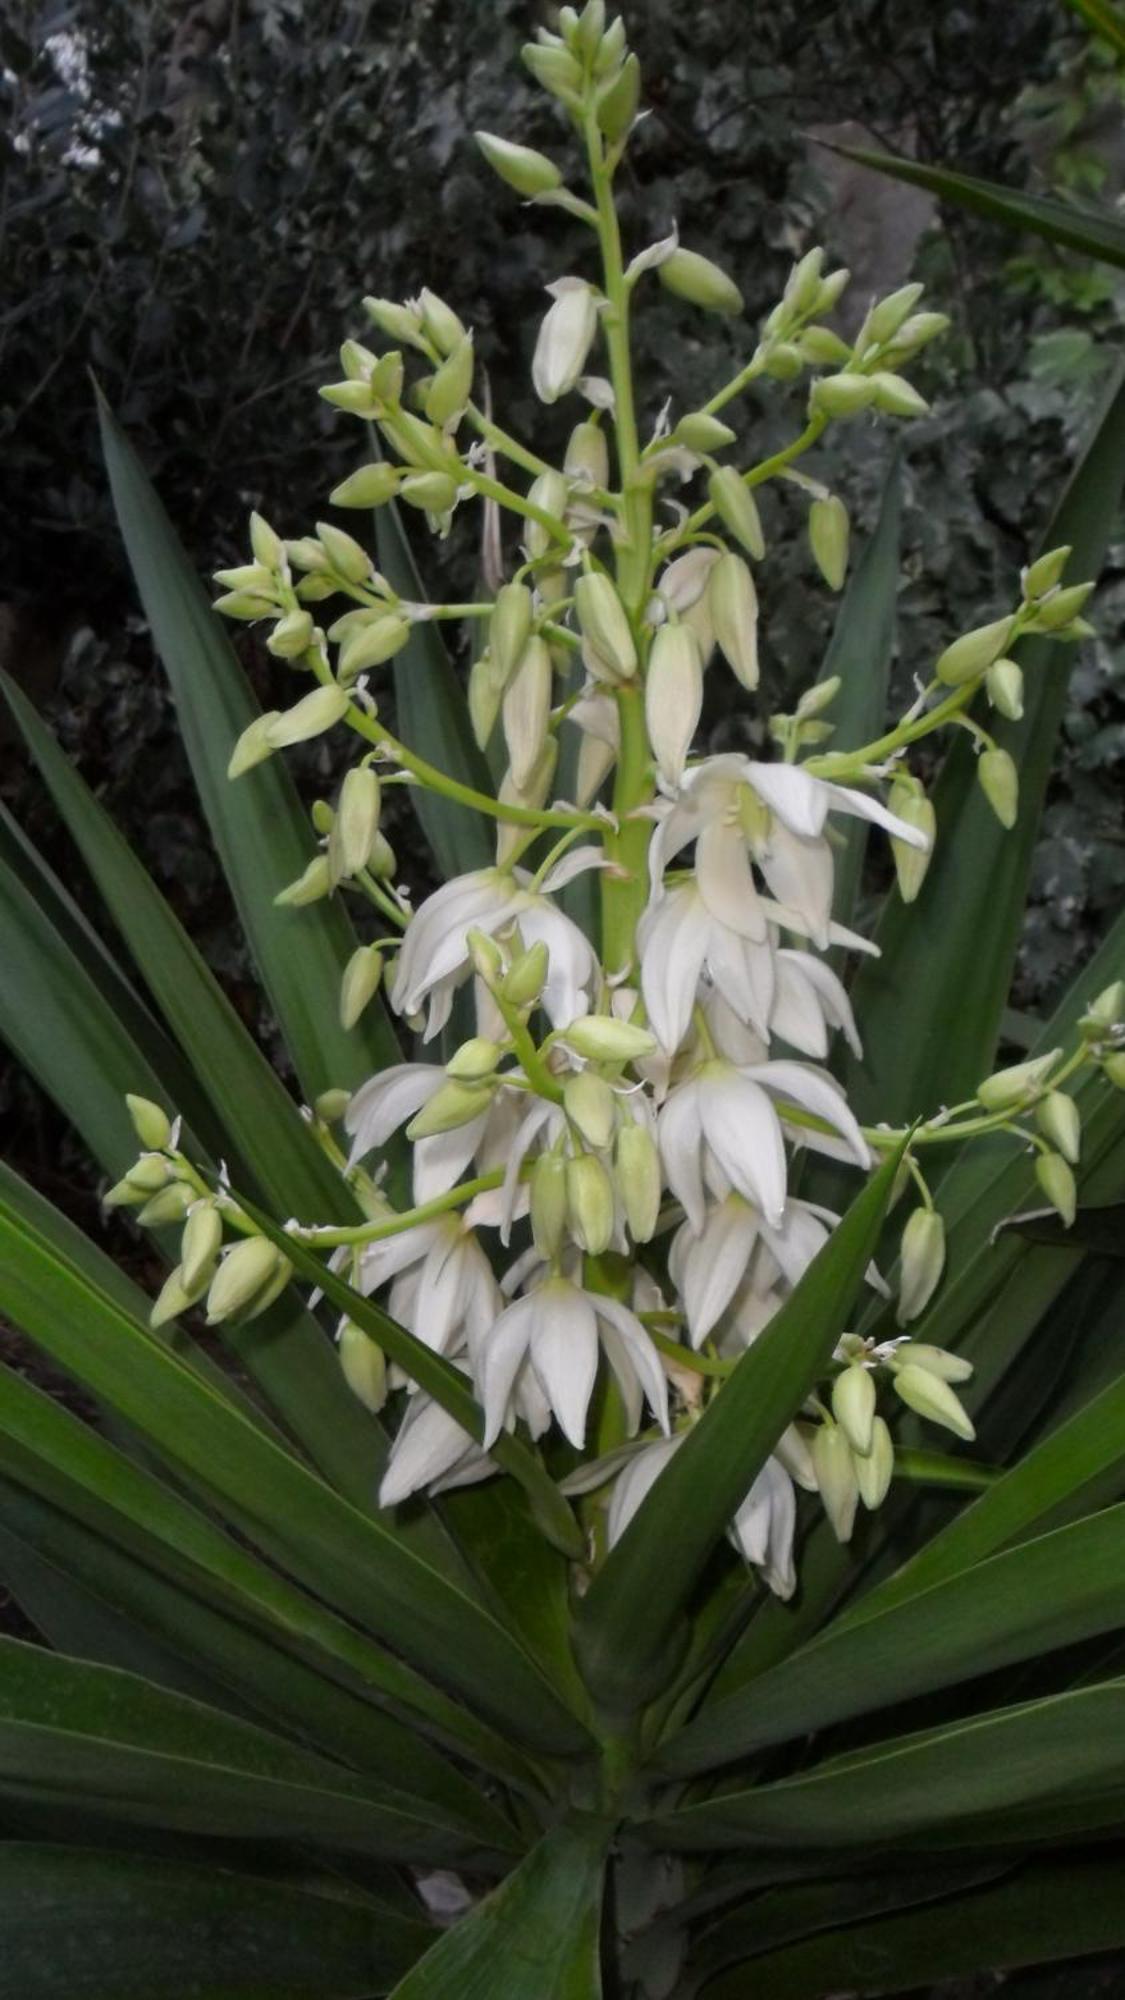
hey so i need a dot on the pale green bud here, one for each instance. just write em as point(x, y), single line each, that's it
point(246, 1272)
point(306, 553)
point(1060, 1121)
point(615, 106)
point(526, 976)
point(603, 1038)
point(802, 287)
point(1004, 687)
point(1057, 610)
point(874, 1473)
point(1000, 782)
point(911, 863)
point(311, 716)
point(331, 1105)
point(1044, 573)
point(345, 554)
point(309, 887)
point(922, 1261)
point(1105, 1012)
point(821, 346)
point(397, 322)
point(387, 378)
point(918, 331)
point(590, 1206)
point(548, 492)
point(527, 710)
point(605, 626)
point(830, 290)
point(1113, 1068)
point(673, 696)
point(358, 362)
point(896, 397)
point(698, 280)
point(170, 1204)
point(587, 455)
point(735, 505)
point(565, 338)
point(173, 1299)
point(291, 636)
point(322, 816)
point(548, 1203)
point(452, 386)
point(486, 955)
point(123, 1194)
point(702, 432)
point(733, 603)
point(590, 28)
point(1057, 1182)
point(359, 983)
point(1018, 1084)
point(370, 645)
point(485, 693)
point(363, 1365)
point(639, 1179)
point(938, 1360)
point(150, 1122)
point(433, 492)
point(253, 577)
point(853, 1406)
point(356, 823)
point(202, 1240)
point(312, 589)
point(971, 656)
point(554, 68)
point(245, 605)
point(529, 172)
point(509, 628)
point(930, 1397)
point(591, 1106)
point(358, 398)
point(841, 395)
point(886, 319)
point(475, 1059)
point(828, 539)
point(453, 1104)
point(440, 322)
point(835, 1468)
point(816, 699)
point(150, 1172)
point(784, 361)
point(267, 545)
point(381, 860)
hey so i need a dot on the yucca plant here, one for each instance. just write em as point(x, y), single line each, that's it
point(550, 1502)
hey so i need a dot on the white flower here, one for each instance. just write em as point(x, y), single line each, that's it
point(442, 1286)
point(808, 1002)
point(678, 940)
point(431, 1450)
point(762, 1529)
point(387, 1101)
point(720, 1131)
point(555, 1330)
point(565, 338)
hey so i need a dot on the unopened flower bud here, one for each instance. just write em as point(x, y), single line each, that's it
point(828, 539)
point(885, 319)
point(253, 577)
point(1017, 1085)
point(841, 395)
point(266, 544)
point(911, 863)
point(1056, 1179)
point(1105, 1012)
point(802, 286)
point(555, 68)
point(246, 605)
point(1057, 610)
point(291, 636)
point(591, 1106)
point(150, 1122)
point(930, 1397)
point(526, 710)
point(363, 1365)
point(529, 172)
point(202, 1240)
point(310, 887)
point(685, 580)
point(475, 1059)
point(590, 1206)
point(822, 347)
point(150, 1172)
point(1043, 574)
point(605, 626)
point(1113, 1068)
point(168, 1205)
point(548, 1203)
point(970, 656)
point(698, 280)
point(917, 331)
point(602, 1038)
point(549, 493)
point(830, 290)
point(330, 1105)
point(587, 455)
point(736, 507)
point(565, 339)
point(1000, 782)
point(173, 1298)
point(311, 716)
point(451, 387)
point(356, 823)
point(701, 432)
point(486, 957)
point(526, 976)
point(834, 1465)
point(397, 322)
point(639, 1179)
point(1004, 687)
point(433, 492)
point(784, 361)
point(733, 604)
point(874, 1473)
point(673, 696)
point(922, 1260)
point(439, 321)
point(452, 1105)
point(1060, 1121)
point(896, 397)
point(371, 644)
point(509, 627)
point(347, 556)
point(360, 983)
point(485, 693)
point(938, 1360)
point(372, 486)
point(248, 1270)
point(853, 1405)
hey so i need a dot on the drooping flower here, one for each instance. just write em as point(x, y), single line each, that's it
point(553, 1333)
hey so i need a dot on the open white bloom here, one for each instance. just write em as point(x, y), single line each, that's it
point(679, 939)
point(762, 1529)
point(720, 1131)
point(387, 1101)
point(553, 1333)
point(442, 1284)
point(565, 338)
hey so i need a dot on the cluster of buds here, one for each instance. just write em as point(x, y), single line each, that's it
point(619, 1126)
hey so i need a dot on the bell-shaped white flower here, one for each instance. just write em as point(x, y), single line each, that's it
point(763, 1528)
point(387, 1101)
point(679, 939)
point(554, 1333)
point(431, 1451)
point(442, 1284)
point(565, 338)
point(808, 1003)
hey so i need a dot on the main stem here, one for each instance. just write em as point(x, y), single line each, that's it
point(624, 887)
